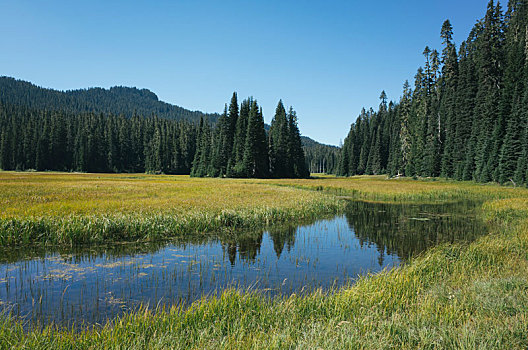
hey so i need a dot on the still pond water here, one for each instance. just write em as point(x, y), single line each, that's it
point(93, 284)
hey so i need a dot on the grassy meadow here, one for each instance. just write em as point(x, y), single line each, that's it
point(58, 208)
point(456, 296)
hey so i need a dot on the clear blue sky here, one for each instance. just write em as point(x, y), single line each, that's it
point(327, 59)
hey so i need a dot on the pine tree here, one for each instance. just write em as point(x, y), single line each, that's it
point(364, 141)
point(295, 150)
point(204, 154)
point(374, 162)
point(278, 144)
point(197, 167)
point(432, 122)
point(467, 121)
point(448, 91)
point(511, 149)
point(490, 73)
point(4, 151)
point(417, 123)
point(255, 161)
point(346, 154)
point(231, 128)
point(352, 168)
point(153, 153)
point(405, 132)
point(222, 147)
point(511, 121)
point(235, 167)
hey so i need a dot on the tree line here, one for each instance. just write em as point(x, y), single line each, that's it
point(240, 147)
point(321, 158)
point(57, 140)
point(236, 146)
point(467, 116)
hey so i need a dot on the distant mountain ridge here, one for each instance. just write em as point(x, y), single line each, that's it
point(116, 100)
point(309, 142)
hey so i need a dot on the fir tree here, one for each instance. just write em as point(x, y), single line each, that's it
point(448, 91)
point(295, 151)
point(278, 143)
point(235, 166)
point(255, 160)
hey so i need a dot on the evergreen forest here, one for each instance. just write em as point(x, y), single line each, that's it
point(320, 158)
point(94, 142)
point(240, 147)
point(67, 138)
point(466, 116)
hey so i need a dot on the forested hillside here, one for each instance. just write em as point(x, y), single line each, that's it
point(236, 146)
point(116, 100)
point(467, 115)
point(320, 158)
point(46, 140)
point(120, 129)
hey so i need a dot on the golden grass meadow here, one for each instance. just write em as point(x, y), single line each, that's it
point(54, 208)
point(453, 296)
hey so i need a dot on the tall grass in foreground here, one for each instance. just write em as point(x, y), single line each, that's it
point(454, 296)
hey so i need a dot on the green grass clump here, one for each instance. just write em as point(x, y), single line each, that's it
point(456, 296)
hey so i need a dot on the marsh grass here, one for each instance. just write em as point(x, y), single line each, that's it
point(379, 188)
point(55, 208)
point(455, 296)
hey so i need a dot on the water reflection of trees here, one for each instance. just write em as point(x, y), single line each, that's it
point(283, 237)
point(81, 253)
point(395, 229)
point(248, 246)
point(245, 244)
point(110, 250)
point(407, 230)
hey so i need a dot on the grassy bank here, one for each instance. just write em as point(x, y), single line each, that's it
point(55, 208)
point(471, 296)
point(378, 188)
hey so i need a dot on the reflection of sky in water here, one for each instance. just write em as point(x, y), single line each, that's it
point(67, 288)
